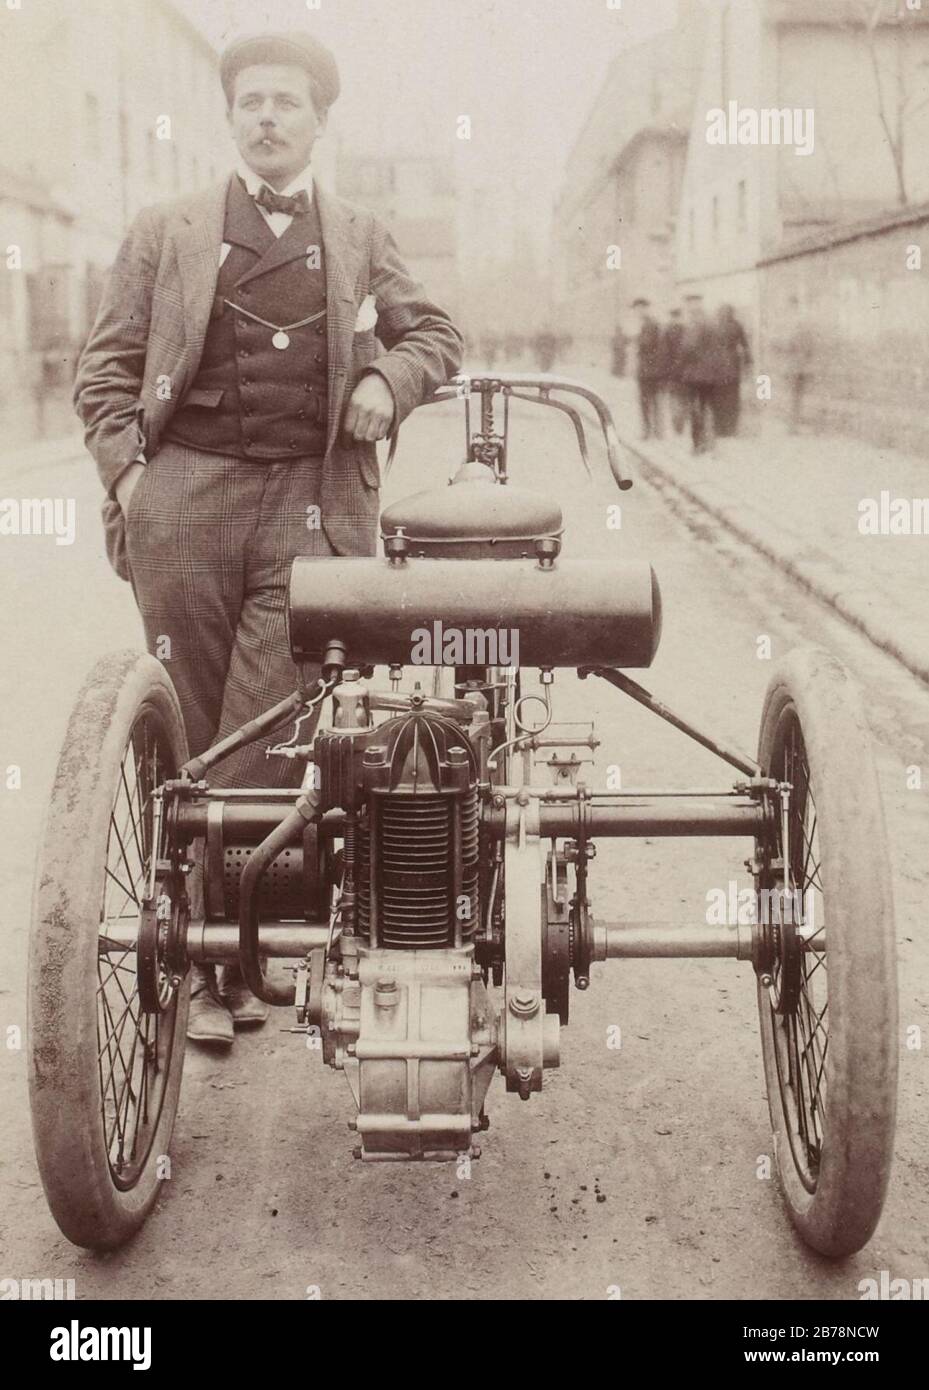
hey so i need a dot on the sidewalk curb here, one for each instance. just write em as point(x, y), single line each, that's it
point(658, 473)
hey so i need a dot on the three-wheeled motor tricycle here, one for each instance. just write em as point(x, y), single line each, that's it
point(430, 896)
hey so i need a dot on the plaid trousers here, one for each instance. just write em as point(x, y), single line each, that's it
point(209, 542)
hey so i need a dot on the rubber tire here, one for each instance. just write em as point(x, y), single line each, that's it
point(64, 1081)
point(861, 1064)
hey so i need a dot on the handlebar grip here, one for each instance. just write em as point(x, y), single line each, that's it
point(612, 453)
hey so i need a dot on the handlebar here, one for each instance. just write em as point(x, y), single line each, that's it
point(518, 386)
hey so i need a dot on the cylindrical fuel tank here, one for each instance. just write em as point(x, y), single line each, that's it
point(475, 612)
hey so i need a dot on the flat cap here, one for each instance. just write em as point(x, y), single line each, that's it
point(298, 47)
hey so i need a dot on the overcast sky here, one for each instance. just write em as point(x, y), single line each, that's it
point(524, 71)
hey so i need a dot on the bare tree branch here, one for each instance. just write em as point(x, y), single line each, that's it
point(871, 14)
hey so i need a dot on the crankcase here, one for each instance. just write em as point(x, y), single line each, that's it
point(415, 1033)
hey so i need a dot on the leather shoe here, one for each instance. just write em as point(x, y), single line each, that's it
point(246, 1010)
point(208, 1021)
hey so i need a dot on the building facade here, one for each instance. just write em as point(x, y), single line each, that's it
point(827, 107)
point(613, 236)
point(861, 291)
point(127, 110)
point(414, 195)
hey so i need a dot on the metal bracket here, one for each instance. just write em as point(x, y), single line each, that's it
point(644, 697)
point(302, 990)
point(529, 1034)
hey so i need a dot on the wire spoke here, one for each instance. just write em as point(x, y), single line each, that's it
point(113, 1045)
point(117, 967)
point(796, 1077)
point(799, 991)
point(129, 892)
point(141, 1110)
point(125, 858)
point(120, 1023)
point(808, 840)
point(135, 823)
point(119, 984)
point(130, 1096)
point(817, 1023)
point(114, 965)
point(818, 964)
point(821, 1073)
point(133, 1046)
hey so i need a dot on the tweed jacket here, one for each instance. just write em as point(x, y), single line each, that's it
point(146, 344)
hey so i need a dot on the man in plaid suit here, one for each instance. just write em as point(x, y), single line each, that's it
point(253, 343)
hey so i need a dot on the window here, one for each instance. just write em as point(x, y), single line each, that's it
point(151, 152)
point(715, 216)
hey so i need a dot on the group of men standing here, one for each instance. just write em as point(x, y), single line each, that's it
point(695, 363)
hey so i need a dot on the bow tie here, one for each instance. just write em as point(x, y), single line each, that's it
point(277, 202)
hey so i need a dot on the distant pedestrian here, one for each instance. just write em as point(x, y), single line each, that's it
point(700, 371)
point(678, 402)
point(735, 356)
point(513, 347)
point(650, 369)
point(798, 349)
point(618, 349)
point(545, 346)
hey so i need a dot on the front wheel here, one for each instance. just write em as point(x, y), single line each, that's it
point(827, 990)
point(105, 1064)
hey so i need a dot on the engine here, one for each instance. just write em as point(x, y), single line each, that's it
point(447, 879)
point(405, 1012)
point(412, 791)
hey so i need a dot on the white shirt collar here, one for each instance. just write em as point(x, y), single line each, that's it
point(253, 181)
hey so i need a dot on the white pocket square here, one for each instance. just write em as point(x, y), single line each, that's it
point(367, 314)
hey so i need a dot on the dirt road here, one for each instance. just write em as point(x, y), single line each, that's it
point(637, 1166)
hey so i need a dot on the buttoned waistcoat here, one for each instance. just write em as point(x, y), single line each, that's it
point(251, 399)
point(147, 343)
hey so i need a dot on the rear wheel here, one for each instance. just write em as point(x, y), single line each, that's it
point(105, 1062)
point(827, 992)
